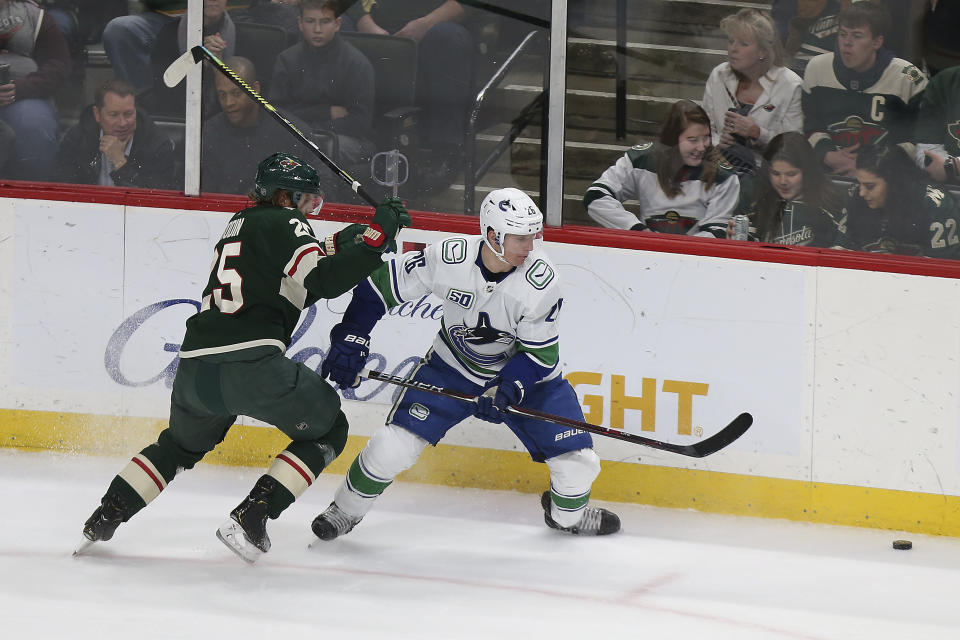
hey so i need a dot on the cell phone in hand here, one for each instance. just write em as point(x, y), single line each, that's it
point(737, 137)
point(4, 73)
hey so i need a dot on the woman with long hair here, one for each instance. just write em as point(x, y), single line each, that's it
point(796, 203)
point(751, 97)
point(894, 208)
point(678, 181)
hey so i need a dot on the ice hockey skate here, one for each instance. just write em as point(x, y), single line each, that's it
point(102, 524)
point(245, 532)
point(333, 523)
point(594, 522)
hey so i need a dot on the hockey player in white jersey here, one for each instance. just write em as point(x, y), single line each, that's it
point(498, 337)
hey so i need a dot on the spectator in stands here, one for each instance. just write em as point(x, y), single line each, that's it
point(941, 35)
point(36, 52)
point(938, 127)
point(796, 203)
point(279, 13)
point(812, 32)
point(219, 36)
point(327, 82)
point(678, 182)
point(93, 16)
point(241, 135)
point(65, 13)
point(115, 144)
point(894, 209)
point(751, 97)
point(128, 40)
point(862, 95)
point(782, 12)
point(444, 73)
point(69, 95)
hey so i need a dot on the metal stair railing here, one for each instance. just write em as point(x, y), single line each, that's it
point(471, 172)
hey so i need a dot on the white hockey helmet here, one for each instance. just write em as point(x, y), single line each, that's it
point(506, 211)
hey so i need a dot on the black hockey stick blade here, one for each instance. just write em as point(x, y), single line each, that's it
point(181, 66)
point(701, 449)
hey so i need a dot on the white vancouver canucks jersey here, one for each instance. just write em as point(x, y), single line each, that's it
point(484, 323)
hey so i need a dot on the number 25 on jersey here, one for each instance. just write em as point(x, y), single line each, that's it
point(231, 281)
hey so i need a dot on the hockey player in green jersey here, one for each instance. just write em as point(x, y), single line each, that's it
point(499, 336)
point(268, 267)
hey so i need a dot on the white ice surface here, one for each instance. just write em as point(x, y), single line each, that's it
point(435, 562)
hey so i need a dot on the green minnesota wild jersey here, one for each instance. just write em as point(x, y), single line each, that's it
point(938, 123)
point(484, 323)
point(930, 228)
point(268, 267)
point(800, 224)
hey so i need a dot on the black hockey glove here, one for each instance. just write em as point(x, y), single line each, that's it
point(516, 379)
point(391, 216)
point(349, 348)
point(499, 395)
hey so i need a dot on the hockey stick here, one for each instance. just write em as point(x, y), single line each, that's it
point(179, 68)
point(697, 450)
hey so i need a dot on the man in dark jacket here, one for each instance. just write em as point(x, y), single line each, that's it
point(242, 134)
point(327, 82)
point(115, 145)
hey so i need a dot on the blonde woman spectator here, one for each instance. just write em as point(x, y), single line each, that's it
point(751, 97)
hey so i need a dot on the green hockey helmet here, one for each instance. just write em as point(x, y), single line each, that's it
point(285, 171)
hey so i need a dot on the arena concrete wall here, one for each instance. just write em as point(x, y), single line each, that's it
point(849, 364)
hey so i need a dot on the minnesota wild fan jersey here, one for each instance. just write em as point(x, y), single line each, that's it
point(801, 224)
point(931, 228)
point(267, 268)
point(819, 36)
point(842, 108)
point(484, 322)
point(938, 123)
point(696, 210)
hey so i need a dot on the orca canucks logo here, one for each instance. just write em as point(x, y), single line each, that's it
point(464, 339)
point(856, 130)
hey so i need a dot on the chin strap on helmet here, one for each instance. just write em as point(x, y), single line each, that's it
point(508, 211)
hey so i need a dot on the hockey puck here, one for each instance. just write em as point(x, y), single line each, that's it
point(902, 544)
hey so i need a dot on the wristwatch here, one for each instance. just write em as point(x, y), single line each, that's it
point(950, 168)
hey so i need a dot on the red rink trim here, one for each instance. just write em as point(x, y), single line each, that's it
point(463, 224)
point(296, 467)
point(310, 249)
point(149, 473)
